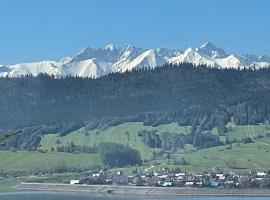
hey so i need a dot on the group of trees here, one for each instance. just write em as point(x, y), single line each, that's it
point(150, 138)
point(202, 139)
point(170, 142)
point(167, 141)
point(118, 155)
point(71, 148)
point(111, 154)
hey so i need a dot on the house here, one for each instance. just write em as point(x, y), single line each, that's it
point(167, 184)
point(119, 173)
point(229, 184)
point(160, 183)
point(156, 174)
point(109, 181)
point(120, 179)
point(260, 176)
point(180, 174)
point(164, 176)
point(180, 178)
point(214, 184)
point(73, 182)
point(95, 175)
point(222, 178)
point(189, 183)
point(199, 184)
point(218, 175)
point(191, 178)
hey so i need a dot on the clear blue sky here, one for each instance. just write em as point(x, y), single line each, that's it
point(32, 30)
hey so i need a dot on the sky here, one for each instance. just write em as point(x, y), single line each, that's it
point(34, 30)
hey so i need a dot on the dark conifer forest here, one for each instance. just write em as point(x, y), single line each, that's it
point(198, 96)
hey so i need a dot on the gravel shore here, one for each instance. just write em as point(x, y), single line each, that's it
point(134, 190)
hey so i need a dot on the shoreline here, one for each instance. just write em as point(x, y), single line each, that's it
point(136, 190)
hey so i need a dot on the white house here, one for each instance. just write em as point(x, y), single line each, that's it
point(73, 182)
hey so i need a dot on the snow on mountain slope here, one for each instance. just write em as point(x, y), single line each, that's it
point(126, 55)
point(107, 54)
point(91, 62)
point(233, 61)
point(212, 51)
point(66, 60)
point(168, 52)
point(49, 67)
point(88, 68)
point(4, 68)
point(147, 59)
point(192, 56)
point(259, 65)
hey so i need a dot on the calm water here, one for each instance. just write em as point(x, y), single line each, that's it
point(72, 196)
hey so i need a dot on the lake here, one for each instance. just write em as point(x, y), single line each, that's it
point(76, 196)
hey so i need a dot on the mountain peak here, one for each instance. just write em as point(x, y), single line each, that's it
point(83, 54)
point(212, 50)
point(109, 47)
point(189, 49)
point(83, 50)
point(208, 45)
point(128, 46)
point(130, 51)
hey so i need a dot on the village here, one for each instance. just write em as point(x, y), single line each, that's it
point(214, 178)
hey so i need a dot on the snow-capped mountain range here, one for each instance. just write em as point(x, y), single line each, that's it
point(90, 62)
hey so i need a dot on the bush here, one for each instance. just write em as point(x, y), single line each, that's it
point(259, 137)
point(229, 147)
point(42, 151)
point(247, 140)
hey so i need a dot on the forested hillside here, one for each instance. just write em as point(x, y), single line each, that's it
point(189, 95)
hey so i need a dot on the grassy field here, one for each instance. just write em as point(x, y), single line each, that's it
point(242, 157)
point(126, 133)
point(241, 131)
point(6, 185)
point(245, 156)
point(30, 161)
point(54, 178)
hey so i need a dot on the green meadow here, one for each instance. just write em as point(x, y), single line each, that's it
point(237, 156)
point(126, 133)
point(32, 161)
